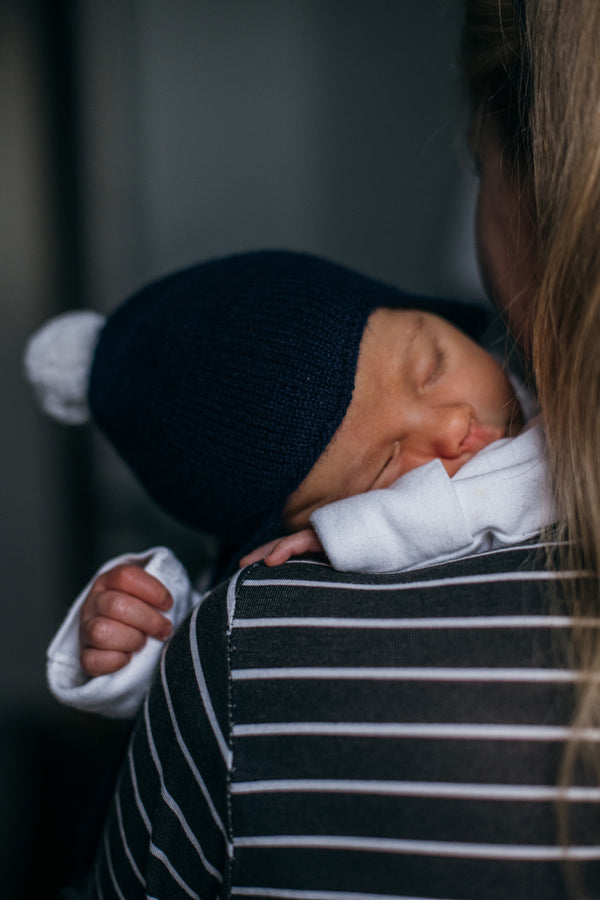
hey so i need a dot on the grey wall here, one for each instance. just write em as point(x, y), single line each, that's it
point(142, 135)
point(323, 124)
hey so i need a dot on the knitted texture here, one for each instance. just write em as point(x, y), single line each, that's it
point(221, 385)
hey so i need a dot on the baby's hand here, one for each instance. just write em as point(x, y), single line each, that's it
point(120, 611)
point(279, 551)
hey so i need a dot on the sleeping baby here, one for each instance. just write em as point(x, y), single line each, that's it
point(285, 403)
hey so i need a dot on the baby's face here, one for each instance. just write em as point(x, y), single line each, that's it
point(423, 390)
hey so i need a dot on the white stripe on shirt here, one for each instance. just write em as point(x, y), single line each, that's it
point(445, 731)
point(454, 790)
point(521, 852)
point(290, 894)
point(172, 803)
point(204, 692)
point(388, 673)
point(489, 578)
point(184, 749)
point(437, 622)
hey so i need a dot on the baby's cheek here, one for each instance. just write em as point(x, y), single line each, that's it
point(413, 459)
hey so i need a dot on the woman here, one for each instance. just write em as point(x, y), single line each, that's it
point(534, 85)
point(316, 735)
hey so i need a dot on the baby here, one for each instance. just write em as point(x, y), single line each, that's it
point(270, 392)
point(424, 394)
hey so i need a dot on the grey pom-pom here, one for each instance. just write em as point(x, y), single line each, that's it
point(58, 360)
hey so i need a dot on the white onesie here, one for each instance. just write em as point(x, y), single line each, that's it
point(501, 496)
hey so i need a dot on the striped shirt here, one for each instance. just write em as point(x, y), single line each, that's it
point(317, 735)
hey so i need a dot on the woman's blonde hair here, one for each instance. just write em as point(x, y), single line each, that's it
point(534, 65)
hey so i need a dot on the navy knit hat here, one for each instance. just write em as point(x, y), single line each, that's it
point(221, 385)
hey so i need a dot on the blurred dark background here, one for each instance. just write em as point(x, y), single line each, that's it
point(138, 136)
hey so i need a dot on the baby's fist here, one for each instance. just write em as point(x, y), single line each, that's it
point(122, 608)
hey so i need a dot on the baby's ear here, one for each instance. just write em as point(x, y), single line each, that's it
point(58, 360)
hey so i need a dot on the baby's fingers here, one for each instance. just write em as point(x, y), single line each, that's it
point(135, 581)
point(103, 662)
point(102, 633)
point(259, 553)
point(128, 610)
point(305, 541)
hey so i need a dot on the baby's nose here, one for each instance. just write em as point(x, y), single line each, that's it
point(449, 428)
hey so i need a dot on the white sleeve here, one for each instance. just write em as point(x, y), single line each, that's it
point(417, 518)
point(498, 498)
point(505, 491)
point(120, 694)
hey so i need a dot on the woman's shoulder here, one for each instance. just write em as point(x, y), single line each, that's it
point(301, 585)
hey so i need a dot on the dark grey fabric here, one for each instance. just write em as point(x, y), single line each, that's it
point(342, 737)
